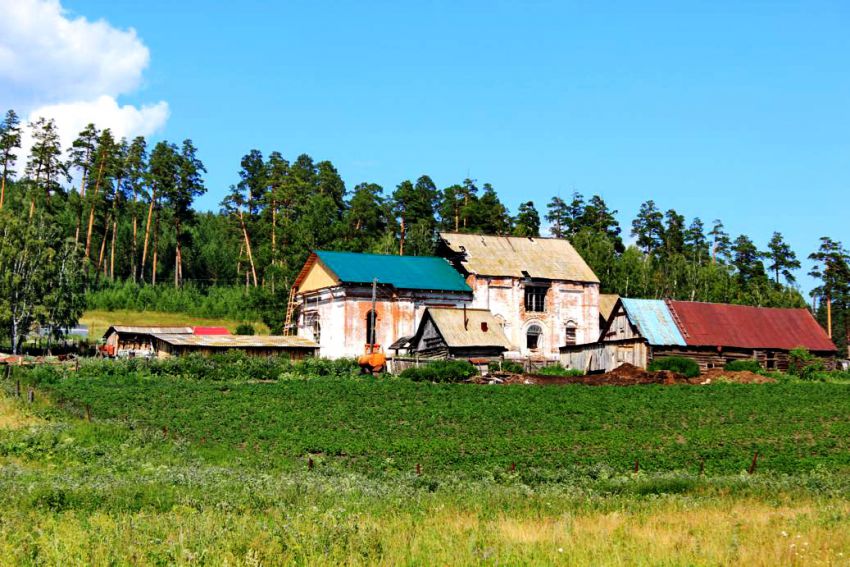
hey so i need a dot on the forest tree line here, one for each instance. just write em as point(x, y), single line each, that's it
point(113, 217)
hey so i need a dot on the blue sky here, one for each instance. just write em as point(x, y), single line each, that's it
point(738, 111)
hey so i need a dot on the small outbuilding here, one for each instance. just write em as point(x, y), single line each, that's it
point(713, 334)
point(136, 340)
point(296, 348)
point(446, 332)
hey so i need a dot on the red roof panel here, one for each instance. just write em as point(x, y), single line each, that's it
point(717, 324)
point(211, 331)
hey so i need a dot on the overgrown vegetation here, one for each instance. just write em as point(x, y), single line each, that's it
point(558, 370)
point(680, 364)
point(511, 366)
point(448, 371)
point(743, 366)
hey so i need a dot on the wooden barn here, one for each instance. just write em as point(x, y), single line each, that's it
point(459, 333)
point(296, 348)
point(137, 340)
point(641, 330)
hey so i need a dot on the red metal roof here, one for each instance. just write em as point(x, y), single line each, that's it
point(211, 331)
point(716, 324)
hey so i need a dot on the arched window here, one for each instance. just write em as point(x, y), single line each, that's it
point(570, 333)
point(371, 331)
point(317, 330)
point(532, 337)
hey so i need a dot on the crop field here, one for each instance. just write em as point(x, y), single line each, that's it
point(251, 462)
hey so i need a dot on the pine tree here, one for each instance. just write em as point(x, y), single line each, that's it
point(647, 227)
point(81, 157)
point(783, 259)
point(832, 268)
point(720, 242)
point(45, 167)
point(188, 185)
point(527, 221)
point(10, 140)
point(557, 215)
point(134, 184)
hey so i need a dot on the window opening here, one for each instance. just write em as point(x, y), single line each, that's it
point(532, 337)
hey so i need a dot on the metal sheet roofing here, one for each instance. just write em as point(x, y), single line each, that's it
point(211, 331)
point(654, 321)
point(141, 330)
point(715, 324)
point(547, 258)
point(450, 323)
point(236, 341)
point(403, 272)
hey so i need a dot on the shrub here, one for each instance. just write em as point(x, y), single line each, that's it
point(678, 364)
point(245, 329)
point(511, 366)
point(558, 370)
point(441, 371)
point(743, 366)
point(804, 365)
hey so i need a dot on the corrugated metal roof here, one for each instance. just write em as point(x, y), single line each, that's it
point(450, 323)
point(403, 272)
point(142, 330)
point(607, 301)
point(654, 321)
point(211, 331)
point(548, 258)
point(716, 324)
point(236, 341)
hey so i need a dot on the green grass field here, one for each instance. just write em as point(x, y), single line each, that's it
point(178, 467)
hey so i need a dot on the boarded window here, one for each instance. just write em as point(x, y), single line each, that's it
point(535, 298)
point(570, 333)
point(532, 337)
point(371, 331)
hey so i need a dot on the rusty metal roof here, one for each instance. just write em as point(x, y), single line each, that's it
point(513, 256)
point(716, 324)
point(236, 341)
point(654, 321)
point(142, 330)
point(607, 301)
point(450, 323)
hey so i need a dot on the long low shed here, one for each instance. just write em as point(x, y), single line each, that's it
point(296, 348)
point(641, 330)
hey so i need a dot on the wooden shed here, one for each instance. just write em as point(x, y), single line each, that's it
point(459, 333)
point(641, 330)
point(296, 348)
point(137, 340)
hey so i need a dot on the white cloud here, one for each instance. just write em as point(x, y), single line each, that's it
point(124, 121)
point(71, 69)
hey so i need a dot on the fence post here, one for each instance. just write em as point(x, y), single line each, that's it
point(31, 395)
point(701, 467)
point(18, 388)
point(637, 466)
point(753, 465)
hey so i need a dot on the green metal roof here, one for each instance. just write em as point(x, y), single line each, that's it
point(403, 272)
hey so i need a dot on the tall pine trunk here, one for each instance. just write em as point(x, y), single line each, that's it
point(155, 242)
point(147, 235)
point(248, 247)
point(91, 209)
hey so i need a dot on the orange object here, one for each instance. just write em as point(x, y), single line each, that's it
point(373, 361)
